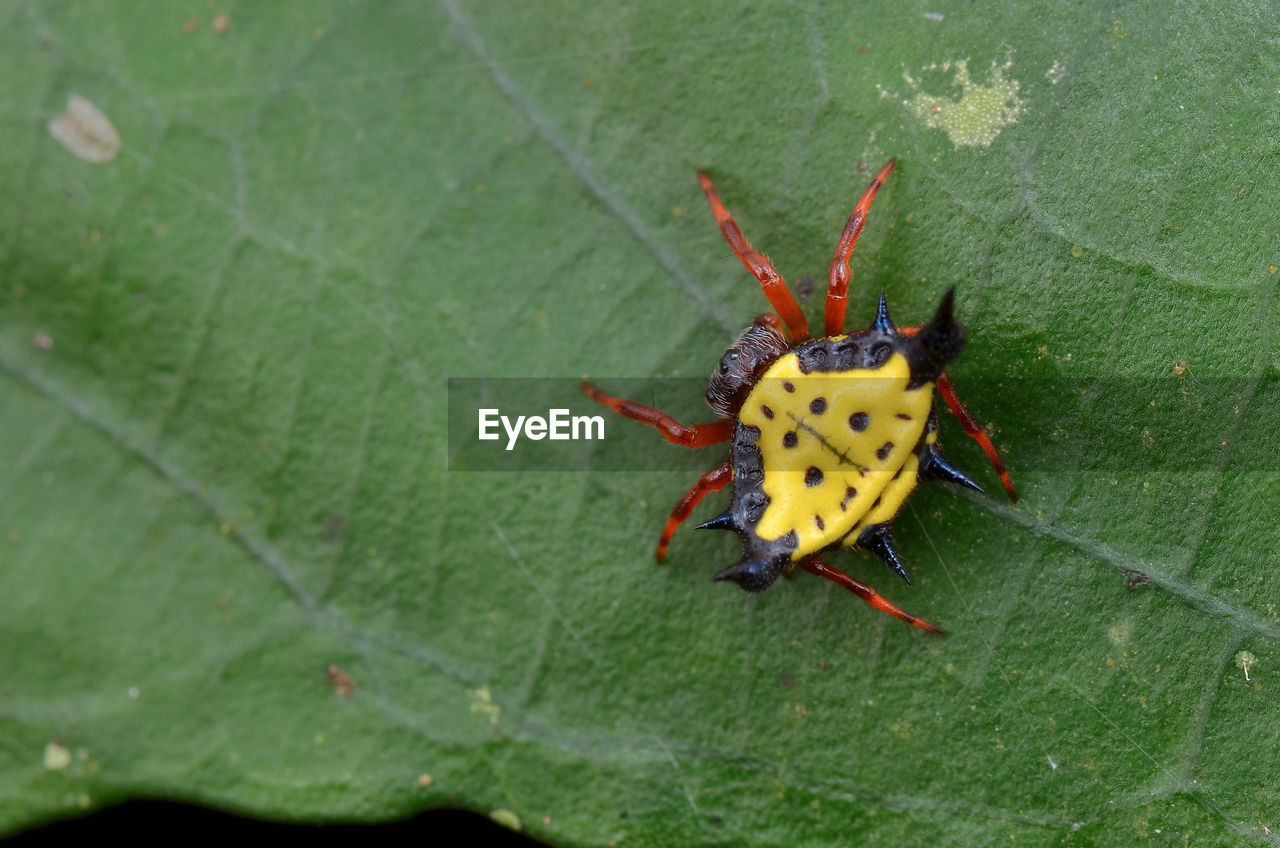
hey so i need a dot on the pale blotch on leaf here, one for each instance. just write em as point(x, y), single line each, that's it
point(1245, 661)
point(1120, 633)
point(482, 702)
point(57, 757)
point(85, 131)
point(977, 116)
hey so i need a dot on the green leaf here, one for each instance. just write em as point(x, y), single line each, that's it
point(223, 365)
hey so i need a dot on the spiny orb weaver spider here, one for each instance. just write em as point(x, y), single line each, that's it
point(829, 435)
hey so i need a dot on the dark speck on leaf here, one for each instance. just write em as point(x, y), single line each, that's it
point(1135, 579)
point(333, 528)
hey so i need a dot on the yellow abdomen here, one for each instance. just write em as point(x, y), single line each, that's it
point(837, 448)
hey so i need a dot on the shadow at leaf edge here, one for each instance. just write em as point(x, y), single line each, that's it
point(133, 818)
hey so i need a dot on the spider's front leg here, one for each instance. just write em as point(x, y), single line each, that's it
point(841, 273)
point(771, 282)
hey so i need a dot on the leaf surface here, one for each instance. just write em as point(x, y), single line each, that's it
point(223, 365)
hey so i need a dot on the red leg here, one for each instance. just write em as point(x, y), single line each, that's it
point(713, 481)
point(775, 288)
point(974, 430)
point(814, 565)
point(697, 436)
point(970, 424)
point(841, 274)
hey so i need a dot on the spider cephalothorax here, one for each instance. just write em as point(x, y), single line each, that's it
point(829, 435)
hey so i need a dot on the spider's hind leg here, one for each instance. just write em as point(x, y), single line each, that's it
point(815, 565)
